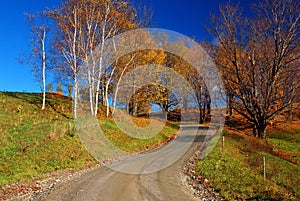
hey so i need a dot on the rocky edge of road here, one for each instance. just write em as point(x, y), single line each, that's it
point(196, 184)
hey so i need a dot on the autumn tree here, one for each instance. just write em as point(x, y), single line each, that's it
point(49, 88)
point(258, 58)
point(132, 53)
point(152, 92)
point(119, 17)
point(84, 26)
point(67, 19)
point(146, 76)
point(128, 64)
point(199, 95)
point(59, 88)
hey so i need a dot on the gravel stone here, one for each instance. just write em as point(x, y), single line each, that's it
point(196, 184)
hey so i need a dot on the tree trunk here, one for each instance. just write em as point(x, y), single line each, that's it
point(91, 92)
point(118, 83)
point(208, 107)
point(44, 68)
point(185, 102)
point(201, 120)
point(75, 99)
point(106, 101)
point(98, 88)
point(230, 109)
point(259, 129)
point(255, 130)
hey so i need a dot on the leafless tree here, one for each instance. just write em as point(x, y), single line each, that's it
point(258, 58)
point(37, 57)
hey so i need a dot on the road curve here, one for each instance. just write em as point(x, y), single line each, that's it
point(134, 178)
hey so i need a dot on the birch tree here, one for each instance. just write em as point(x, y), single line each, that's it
point(68, 20)
point(84, 27)
point(37, 57)
point(119, 17)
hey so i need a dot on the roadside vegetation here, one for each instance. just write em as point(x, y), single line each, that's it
point(239, 173)
point(34, 141)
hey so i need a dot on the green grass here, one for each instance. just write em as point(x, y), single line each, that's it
point(34, 142)
point(130, 144)
point(287, 140)
point(239, 173)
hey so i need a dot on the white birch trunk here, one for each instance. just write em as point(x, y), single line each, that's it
point(106, 91)
point(44, 67)
point(101, 61)
point(118, 83)
point(75, 67)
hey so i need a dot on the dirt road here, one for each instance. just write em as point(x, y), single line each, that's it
point(154, 175)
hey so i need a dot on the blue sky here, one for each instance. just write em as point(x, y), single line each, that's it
point(184, 16)
point(15, 41)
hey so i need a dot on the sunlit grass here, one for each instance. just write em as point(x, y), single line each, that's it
point(131, 144)
point(239, 173)
point(34, 142)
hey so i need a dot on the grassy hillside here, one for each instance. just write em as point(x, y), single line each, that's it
point(238, 174)
point(34, 142)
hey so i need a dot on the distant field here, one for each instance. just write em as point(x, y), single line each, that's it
point(238, 175)
point(34, 142)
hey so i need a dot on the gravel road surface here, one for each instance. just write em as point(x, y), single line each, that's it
point(151, 176)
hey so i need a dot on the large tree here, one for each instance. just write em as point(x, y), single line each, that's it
point(258, 58)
